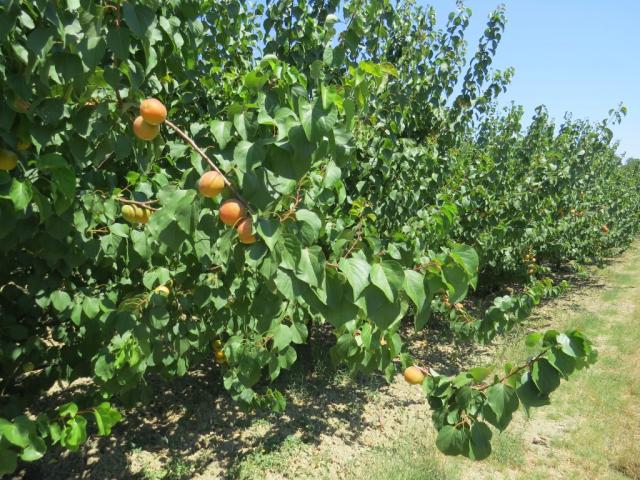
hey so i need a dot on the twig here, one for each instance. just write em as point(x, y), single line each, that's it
point(209, 161)
point(513, 372)
point(146, 204)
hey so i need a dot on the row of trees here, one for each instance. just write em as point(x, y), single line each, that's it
point(362, 145)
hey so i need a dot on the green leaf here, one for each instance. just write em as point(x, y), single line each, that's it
point(221, 131)
point(118, 40)
point(529, 394)
point(479, 373)
point(562, 362)
point(20, 194)
point(545, 376)
point(60, 300)
point(310, 225)
point(139, 18)
point(458, 281)
point(92, 49)
point(8, 460)
point(74, 433)
point(419, 293)
point(389, 277)
point(91, 307)
point(468, 259)
point(357, 272)
point(68, 410)
point(106, 417)
point(480, 441)
point(35, 450)
point(248, 155)
point(502, 401)
point(415, 287)
point(18, 431)
point(269, 231)
point(380, 310)
point(309, 269)
point(451, 440)
point(282, 337)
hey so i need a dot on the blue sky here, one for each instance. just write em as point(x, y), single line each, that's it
point(580, 56)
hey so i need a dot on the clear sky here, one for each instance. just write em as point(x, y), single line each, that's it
point(581, 56)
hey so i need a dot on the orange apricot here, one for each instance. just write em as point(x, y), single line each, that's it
point(220, 356)
point(144, 130)
point(413, 375)
point(210, 184)
point(231, 211)
point(245, 231)
point(153, 111)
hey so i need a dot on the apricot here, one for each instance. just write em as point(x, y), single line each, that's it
point(144, 130)
point(135, 214)
point(23, 145)
point(28, 367)
point(129, 214)
point(210, 184)
point(220, 356)
point(8, 160)
point(217, 345)
point(144, 215)
point(413, 375)
point(21, 105)
point(162, 290)
point(231, 211)
point(245, 231)
point(153, 111)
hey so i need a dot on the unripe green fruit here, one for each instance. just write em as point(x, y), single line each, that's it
point(8, 160)
point(129, 213)
point(162, 290)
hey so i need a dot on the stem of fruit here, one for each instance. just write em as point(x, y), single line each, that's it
point(146, 204)
point(193, 145)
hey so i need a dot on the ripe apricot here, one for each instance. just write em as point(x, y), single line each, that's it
point(162, 290)
point(413, 375)
point(210, 184)
point(231, 211)
point(245, 231)
point(220, 356)
point(605, 229)
point(144, 130)
point(8, 160)
point(153, 111)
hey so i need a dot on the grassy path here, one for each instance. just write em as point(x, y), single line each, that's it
point(591, 430)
